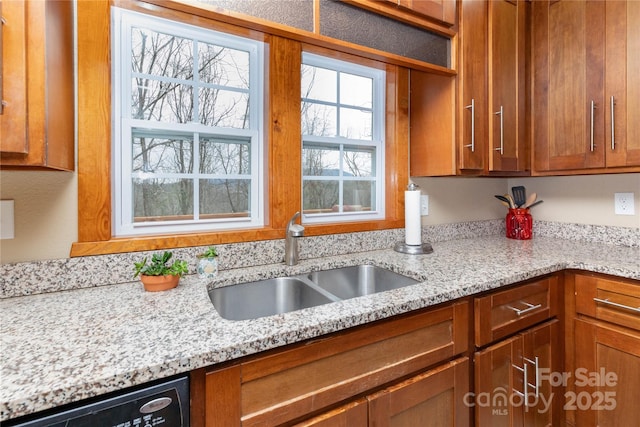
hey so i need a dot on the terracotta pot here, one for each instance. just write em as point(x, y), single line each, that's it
point(159, 283)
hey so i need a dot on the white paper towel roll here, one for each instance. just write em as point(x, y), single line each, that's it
point(412, 223)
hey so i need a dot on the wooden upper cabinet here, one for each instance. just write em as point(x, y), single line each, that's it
point(442, 10)
point(472, 86)
point(572, 114)
point(13, 70)
point(622, 124)
point(37, 121)
point(507, 136)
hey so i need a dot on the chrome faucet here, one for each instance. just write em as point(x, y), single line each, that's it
point(291, 242)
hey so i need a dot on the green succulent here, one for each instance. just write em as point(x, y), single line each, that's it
point(159, 267)
point(211, 252)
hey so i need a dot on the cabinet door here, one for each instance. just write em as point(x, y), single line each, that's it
point(511, 389)
point(13, 120)
point(506, 86)
point(543, 351)
point(622, 130)
point(473, 86)
point(442, 10)
point(38, 118)
point(568, 73)
point(435, 398)
point(353, 414)
point(498, 377)
point(607, 380)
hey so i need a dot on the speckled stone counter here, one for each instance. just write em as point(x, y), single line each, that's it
point(65, 346)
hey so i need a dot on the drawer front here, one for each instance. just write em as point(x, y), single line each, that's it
point(612, 300)
point(281, 387)
point(504, 313)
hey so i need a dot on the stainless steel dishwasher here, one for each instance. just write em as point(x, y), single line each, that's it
point(165, 404)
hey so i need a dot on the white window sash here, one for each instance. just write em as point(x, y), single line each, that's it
point(377, 141)
point(124, 126)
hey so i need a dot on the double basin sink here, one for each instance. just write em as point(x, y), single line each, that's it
point(284, 294)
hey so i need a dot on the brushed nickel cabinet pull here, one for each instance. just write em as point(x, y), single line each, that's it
point(500, 113)
point(617, 305)
point(472, 107)
point(530, 307)
point(535, 386)
point(593, 109)
point(613, 123)
point(523, 393)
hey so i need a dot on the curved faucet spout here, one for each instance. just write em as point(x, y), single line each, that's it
point(291, 242)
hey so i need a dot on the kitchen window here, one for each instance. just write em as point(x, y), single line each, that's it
point(188, 128)
point(342, 120)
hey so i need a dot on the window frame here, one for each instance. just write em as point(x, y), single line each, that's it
point(125, 126)
point(377, 140)
point(282, 126)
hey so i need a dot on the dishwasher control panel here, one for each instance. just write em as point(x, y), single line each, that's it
point(162, 405)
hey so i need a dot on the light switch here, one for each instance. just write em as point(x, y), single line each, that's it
point(6, 219)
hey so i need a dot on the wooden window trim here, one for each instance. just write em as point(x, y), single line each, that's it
point(282, 122)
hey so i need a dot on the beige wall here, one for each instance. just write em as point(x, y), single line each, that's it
point(45, 214)
point(583, 199)
point(459, 199)
point(46, 205)
point(570, 199)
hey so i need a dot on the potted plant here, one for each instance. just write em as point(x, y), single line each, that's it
point(158, 275)
point(208, 263)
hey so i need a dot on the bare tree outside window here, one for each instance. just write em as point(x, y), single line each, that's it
point(339, 175)
point(184, 81)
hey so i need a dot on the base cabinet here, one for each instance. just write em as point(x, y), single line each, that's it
point(434, 398)
point(510, 380)
point(517, 334)
point(312, 379)
point(605, 385)
point(608, 387)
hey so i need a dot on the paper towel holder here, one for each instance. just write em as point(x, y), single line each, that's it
point(403, 247)
point(422, 249)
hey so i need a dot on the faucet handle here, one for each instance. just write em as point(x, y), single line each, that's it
point(293, 229)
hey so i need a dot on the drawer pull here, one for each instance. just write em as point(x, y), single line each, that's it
point(615, 304)
point(530, 307)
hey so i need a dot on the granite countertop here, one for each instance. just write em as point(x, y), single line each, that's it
point(66, 346)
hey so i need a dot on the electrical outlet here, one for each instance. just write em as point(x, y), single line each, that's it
point(424, 204)
point(624, 204)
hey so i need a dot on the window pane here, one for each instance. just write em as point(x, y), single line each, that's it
point(222, 157)
point(162, 155)
point(157, 199)
point(358, 195)
point(319, 120)
point(223, 66)
point(223, 108)
point(319, 83)
point(320, 161)
point(358, 162)
point(161, 101)
point(355, 124)
point(356, 91)
point(160, 54)
point(224, 198)
point(320, 196)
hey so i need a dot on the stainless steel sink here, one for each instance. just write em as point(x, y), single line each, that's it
point(265, 298)
point(351, 282)
point(284, 294)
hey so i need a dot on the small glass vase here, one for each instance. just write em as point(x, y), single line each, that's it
point(207, 268)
